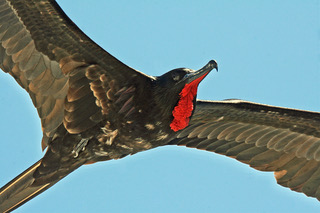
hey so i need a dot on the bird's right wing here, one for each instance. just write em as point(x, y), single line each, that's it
point(268, 138)
point(73, 83)
point(71, 80)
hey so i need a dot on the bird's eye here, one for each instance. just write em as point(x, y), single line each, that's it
point(175, 77)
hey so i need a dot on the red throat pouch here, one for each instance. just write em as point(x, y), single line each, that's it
point(183, 110)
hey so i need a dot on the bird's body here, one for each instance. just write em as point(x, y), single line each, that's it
point(94, 108)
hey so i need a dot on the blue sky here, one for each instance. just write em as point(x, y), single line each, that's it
point(267, 51)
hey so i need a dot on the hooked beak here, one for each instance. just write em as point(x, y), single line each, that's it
point(201, 73)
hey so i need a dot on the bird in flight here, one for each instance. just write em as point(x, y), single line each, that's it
point(94, 108)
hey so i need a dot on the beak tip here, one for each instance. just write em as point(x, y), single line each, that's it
point(214, 64)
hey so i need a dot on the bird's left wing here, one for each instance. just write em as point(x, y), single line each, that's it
point(268, 138)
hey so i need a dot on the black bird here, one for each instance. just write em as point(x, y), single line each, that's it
point(93, 108)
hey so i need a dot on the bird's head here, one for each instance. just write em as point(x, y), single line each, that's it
point(177, 92)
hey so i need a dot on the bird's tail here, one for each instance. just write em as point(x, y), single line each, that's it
point(21, 189)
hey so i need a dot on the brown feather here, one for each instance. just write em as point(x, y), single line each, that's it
point(267, 138)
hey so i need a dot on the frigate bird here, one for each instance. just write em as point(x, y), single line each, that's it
point(94, 108)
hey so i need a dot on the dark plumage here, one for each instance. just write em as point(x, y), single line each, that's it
point(100, 97)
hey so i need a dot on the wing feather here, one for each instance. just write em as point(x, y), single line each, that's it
point(63, 70)
point(268, 138)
